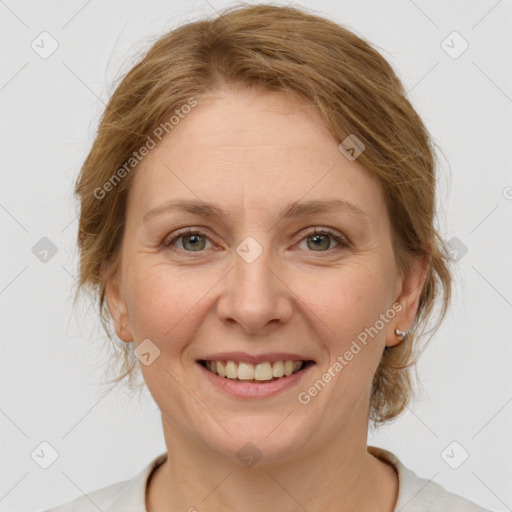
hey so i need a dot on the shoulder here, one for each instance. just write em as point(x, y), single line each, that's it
point(416, 494)
point(100, 499)
point(128, 495)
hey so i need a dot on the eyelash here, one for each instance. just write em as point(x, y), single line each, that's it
point(343, 243)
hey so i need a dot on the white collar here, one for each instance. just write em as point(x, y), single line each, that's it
point(415, 494)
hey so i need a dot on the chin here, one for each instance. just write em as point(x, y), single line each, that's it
point(262, 439)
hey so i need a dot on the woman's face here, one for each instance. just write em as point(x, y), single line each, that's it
point(256, 281)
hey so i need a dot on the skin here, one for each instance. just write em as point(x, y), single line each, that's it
point(252, 153)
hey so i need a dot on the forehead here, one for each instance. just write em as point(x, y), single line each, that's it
point(243, 123)
point(255, 149)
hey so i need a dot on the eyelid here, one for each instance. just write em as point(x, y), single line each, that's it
point(341, 240)
point(184, 232)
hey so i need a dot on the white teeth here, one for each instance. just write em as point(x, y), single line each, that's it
point(221, 368)
point(278, 369)
point(246, 371)
point(231, 370)
point(263, 371)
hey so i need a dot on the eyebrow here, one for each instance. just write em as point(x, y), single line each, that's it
point(292, 210)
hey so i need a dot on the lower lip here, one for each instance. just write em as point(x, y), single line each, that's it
point(254, 389)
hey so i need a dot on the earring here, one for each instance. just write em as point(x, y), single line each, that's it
point(403, 334)
point(400, 333)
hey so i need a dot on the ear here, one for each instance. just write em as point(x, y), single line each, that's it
point(117, 305)
point(409, 286)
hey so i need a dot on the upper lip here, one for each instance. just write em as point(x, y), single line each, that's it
point(238, 357)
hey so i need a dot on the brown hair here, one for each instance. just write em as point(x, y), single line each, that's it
point(276, 49)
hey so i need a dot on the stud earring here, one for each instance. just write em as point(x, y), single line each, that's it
point(400, 333)
point(403, 334)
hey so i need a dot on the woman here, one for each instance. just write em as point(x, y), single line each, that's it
point(257, 220)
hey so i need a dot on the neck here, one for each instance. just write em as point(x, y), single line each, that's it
point(336, 471)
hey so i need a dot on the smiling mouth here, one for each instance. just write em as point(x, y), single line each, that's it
point(257, 373)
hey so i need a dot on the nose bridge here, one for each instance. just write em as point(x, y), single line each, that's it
point(254, 295)
point(253, 283)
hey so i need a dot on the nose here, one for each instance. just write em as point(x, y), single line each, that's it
point(255, 296)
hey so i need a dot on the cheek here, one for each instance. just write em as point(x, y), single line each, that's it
point(163, 301)
point(347, 314)
point(347, 299)
point(170, 302)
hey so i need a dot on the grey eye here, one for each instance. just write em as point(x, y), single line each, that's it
point(196, 242)
point(319, 241)
point(191, 241)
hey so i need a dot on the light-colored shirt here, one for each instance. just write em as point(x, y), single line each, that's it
point(415, 494)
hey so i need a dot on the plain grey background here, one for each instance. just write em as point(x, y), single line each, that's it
point(51, 353)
